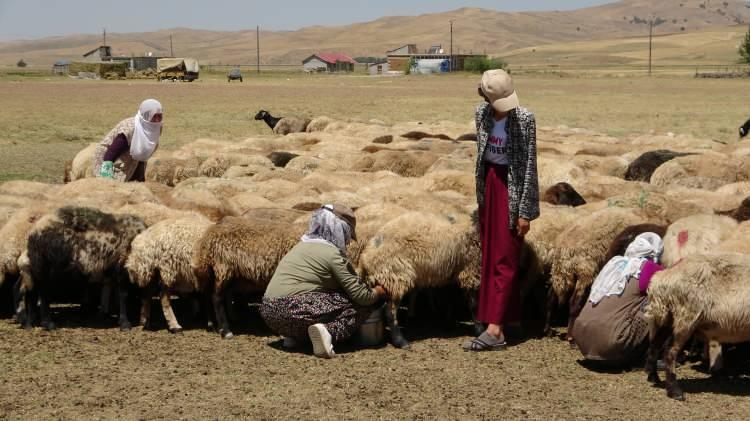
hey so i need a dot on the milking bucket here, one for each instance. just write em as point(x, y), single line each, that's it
point(372, 331)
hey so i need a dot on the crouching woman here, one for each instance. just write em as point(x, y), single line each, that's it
point(124, 151)
point(315, 291)
point(611, 328)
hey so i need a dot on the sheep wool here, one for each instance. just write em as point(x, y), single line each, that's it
point(695, 234)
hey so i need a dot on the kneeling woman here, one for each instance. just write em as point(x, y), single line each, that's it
point(124, 151)
point(611, 328)
point(315, 292)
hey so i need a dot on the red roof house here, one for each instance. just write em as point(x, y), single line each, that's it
point(329, 62)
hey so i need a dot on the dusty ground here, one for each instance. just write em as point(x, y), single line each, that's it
point(92, 370)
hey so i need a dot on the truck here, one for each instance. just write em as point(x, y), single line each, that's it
point(183, 69)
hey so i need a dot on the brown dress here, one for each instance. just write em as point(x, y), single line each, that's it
point(614, 330)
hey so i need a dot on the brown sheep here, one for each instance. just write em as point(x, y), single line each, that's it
point(644, 166)
point(83, 241)
point(563, 194)
point(241, 255)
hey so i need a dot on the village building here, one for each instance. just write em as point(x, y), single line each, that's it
point(328, 62)
point(403, 57)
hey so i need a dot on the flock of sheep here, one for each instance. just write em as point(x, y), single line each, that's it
point(215, 217)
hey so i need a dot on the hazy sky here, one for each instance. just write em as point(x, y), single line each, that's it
point(40, 18)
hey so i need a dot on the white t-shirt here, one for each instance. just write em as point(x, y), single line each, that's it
point(495, 152)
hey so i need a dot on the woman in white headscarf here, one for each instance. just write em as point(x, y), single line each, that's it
point(611, 327)
point(124, 151)
point(315, 293)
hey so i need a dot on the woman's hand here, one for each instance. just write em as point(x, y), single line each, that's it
point(522, 227)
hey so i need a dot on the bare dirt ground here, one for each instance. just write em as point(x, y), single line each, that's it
point(90, 369)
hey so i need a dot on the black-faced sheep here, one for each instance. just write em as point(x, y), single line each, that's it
point(283, 125)
point(563, 194)
point(741, 214)
point(419, 250)
point(745, 129)
point(280, 159)
point(644, 166)
point(82, 241)
point(704, 295)
point(160, 259)
point(240, 255)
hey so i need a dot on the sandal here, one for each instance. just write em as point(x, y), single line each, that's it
point(485, 342)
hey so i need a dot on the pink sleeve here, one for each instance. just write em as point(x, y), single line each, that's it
point(648, 270)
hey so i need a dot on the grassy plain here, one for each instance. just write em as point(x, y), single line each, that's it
point(45, 120)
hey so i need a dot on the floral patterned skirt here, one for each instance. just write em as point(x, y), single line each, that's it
point(291, 316)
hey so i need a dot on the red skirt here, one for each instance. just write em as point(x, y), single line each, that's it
point(499, 293)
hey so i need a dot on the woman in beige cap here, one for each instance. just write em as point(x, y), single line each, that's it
point(508, 199)
point(315, 292)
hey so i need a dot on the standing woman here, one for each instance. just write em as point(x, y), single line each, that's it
point(508, 199)
point(124, 151)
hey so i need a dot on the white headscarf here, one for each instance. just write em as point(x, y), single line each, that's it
point(327, 228)
point(146, 134)
point(614, 275)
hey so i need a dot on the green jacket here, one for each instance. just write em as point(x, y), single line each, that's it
point(313, 267)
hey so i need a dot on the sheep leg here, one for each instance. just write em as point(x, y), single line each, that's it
point(106, 292)
point(18, 303)
point(166, 307)
point(210, 314)
point(44, 311)
point(391, 319)
point(221, 314)
point(670, 361)
point(122, 295)
point(472, 296)
point(656, 346)
point(147, 294)
point(551, 306)
point(412, 305)
point(715, 357)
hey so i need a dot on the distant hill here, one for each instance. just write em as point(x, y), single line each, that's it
point(477, 30)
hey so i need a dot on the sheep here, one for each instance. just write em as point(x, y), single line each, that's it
point(704, 295)
point(418, 250)
point(160, 258)
point(104, 192)
point(744, 129)
point(171, 171)
point(152, 213)
point(15, 234)
point(383, 140)
point(563, 194)
point(579, 254)
point(741, 214)
point(737, 242)
point(644, 166)
point(241, 255)
point(27, 189)
point(695, 234)
point(318, 124)
point(280, 159)
point(79, 240)
point(406, 164)
point(82, 165)
point(283, 125)
point(708, 171)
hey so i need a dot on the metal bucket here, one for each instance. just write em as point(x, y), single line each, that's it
point(372, 331)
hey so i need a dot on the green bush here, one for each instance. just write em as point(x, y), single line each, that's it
point(482, 64)
point(21, 63)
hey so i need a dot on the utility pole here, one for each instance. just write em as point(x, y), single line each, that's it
point(451, 51)
point(104, 41)
point(171, 48)
point(650, 42)
point(257, 41)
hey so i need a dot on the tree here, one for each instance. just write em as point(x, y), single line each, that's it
point(21, 63)
point(482, 64)
point(744, 50)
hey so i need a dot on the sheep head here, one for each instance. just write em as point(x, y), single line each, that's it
point(262, 114)
point(745, 129)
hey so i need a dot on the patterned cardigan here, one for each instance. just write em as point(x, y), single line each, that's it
point(523, 183)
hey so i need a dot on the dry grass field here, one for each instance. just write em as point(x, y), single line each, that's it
point(44, 121)
point(88, 369)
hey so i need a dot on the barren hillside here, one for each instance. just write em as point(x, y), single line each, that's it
point(482, 30)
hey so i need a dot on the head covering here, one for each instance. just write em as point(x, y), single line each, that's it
point(497, 87)
point(614, 276)
point(146, 134)
point(332, 225)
